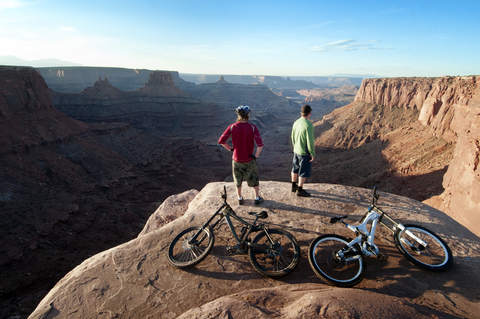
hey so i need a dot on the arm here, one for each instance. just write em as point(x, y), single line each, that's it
point(259, 150)
point(224, 138)
point(227, 147)
point(258, 141)
point(311, 141)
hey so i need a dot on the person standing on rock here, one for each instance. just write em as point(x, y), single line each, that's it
point(303, 151)
point(244, 166)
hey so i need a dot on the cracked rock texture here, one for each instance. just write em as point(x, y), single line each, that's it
point(134, 280)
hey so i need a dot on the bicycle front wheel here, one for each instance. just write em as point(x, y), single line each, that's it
point(183, 252)
point(435, 256)
point(332, 269)
point(276, 253)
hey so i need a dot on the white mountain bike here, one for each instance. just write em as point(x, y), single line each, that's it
point(340, 262)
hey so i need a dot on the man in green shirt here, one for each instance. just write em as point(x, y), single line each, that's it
point(303, 151)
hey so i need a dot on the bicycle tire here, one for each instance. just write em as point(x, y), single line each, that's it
point(182, 254)
point(437, 256)
point(276, 261)
point(331, 270)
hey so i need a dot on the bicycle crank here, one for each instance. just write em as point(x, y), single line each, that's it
point(382, 257)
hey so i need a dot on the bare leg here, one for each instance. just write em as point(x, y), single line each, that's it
point(239, 192)
point(301, 181)
point(257, 191)
point(294, 177)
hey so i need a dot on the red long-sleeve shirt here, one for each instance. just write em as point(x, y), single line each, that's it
point(244, 137)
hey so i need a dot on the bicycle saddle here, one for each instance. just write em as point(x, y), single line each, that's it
point(334, 220)
point(262, 215)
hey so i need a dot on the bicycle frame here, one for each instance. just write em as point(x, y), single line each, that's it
point(225, 211)
point(365, 237)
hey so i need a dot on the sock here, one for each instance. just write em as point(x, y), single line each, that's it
point(257, 198)
point(241, 198)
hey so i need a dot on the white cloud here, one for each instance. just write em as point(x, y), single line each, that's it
point(347, 45)
point(11, 4)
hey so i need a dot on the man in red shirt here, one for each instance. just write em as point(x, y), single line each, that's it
point(244, 166)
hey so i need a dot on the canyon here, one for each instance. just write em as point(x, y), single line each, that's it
point(86, 179)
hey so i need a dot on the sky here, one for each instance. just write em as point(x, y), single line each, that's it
point(282, 38)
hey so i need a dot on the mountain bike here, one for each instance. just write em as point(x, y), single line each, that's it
point(340, 262)
point(272, 252)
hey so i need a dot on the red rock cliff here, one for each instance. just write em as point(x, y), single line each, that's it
point(451, 107)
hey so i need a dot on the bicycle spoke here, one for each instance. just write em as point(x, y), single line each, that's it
point(183, 252)
point(278, 257)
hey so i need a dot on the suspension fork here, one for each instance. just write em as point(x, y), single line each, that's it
point(401, 227)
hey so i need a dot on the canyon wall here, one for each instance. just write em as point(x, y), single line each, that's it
point(76, 78)
point(264, 103)
point(70, 189)
point(159, 106)
point(450, 108)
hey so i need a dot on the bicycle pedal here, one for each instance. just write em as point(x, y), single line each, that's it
point(231, 249)
point(382, 257)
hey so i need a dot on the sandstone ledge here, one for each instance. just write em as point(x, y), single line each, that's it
point(134, 280)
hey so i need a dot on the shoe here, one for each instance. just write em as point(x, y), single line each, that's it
point(302, 193)
point(258, 201)
point(240, 201)
point(294, 187)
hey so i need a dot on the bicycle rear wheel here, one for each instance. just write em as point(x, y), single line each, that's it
point(184, 253)
point(322, 255)
point(277, 258)
point(436, 256)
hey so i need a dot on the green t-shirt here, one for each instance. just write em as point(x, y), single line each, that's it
point(303, 138)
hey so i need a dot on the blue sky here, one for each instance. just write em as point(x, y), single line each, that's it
point(285, 38)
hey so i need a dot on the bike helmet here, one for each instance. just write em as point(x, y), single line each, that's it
point(243, 110)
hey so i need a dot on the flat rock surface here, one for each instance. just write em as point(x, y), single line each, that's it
point(135, 280)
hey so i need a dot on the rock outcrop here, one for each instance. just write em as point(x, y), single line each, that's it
point(450, 108)
point(159, 105)
point(70, 189)
point(77, 78)
point(276, 82)
point(266, 106)
point(134, 280)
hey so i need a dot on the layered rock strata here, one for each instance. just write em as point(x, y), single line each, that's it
point(70, 189)
point(77, 78)
point(450, 108)
point(159, 106)
point(258, 96)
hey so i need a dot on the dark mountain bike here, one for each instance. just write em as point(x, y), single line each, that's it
point(340, 262)
point(272, 252)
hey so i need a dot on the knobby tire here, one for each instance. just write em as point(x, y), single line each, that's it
point(183, 253)
point(275, 259)
point(437, 256)
point(322, 258)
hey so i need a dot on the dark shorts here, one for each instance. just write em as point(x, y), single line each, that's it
point(302, 165)
point(247, 171)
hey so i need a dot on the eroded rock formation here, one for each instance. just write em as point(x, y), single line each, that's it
point(135, 280)
point(450, 108)
point(77, 78)
point(266, 106)
point(159, 105)
point(69, 189)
